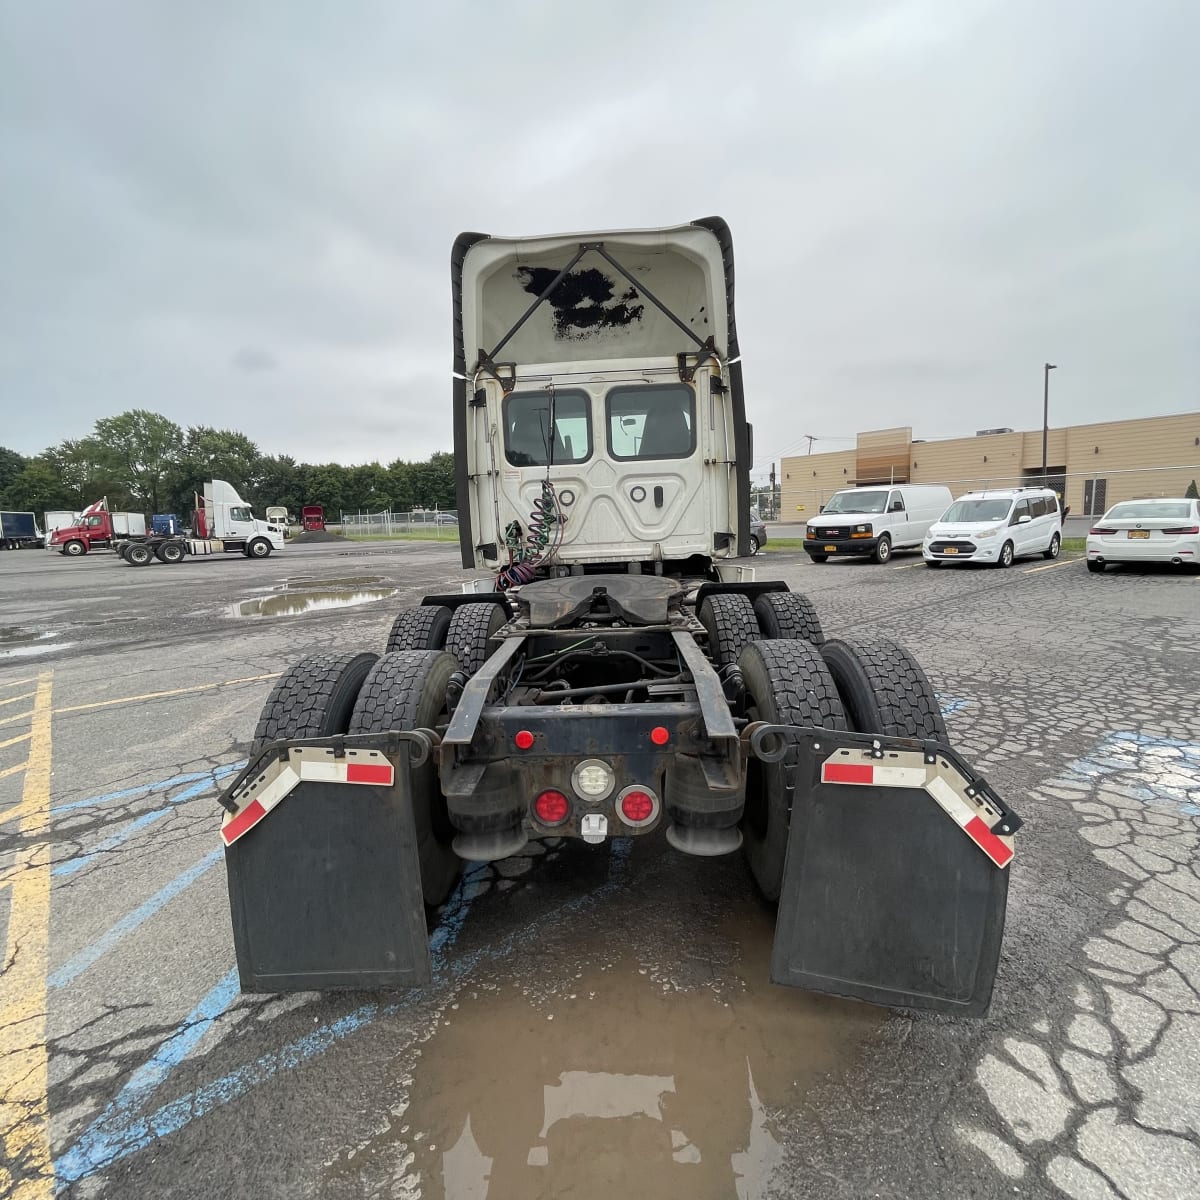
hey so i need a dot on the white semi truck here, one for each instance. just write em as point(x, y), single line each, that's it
point(620, 675)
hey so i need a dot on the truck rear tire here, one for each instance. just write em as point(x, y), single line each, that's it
point(422, 628)
point(785, 616)
point(731, 624)
point(258, 548)
point(883, 689)
point(74, 548)
point(407, 690)
point(787, 683)
point(312, 698)
point(470, 636)
point(138, 554)
point(170, 552)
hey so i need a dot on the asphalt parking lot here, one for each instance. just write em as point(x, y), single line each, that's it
point(600, 1019)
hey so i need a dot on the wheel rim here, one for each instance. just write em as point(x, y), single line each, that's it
point(1006, 555)
point(258, 549)
point(1055, 546)
point(885, 550)
point(753, 544)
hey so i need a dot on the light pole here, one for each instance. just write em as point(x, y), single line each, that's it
point(1046, 414)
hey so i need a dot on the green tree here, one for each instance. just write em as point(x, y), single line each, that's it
point(143, 450)
point(326, 485)
point(11, 465)
point(433, 481)
point(281, 480)
point(1192, 492)
point(36, 488)
point(400, 485)
point(209, 453)
point(87, 473)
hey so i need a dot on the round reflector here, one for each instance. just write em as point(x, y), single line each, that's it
point(551, 808)
point(637, 806)
point(524, 739)
point(660, 735)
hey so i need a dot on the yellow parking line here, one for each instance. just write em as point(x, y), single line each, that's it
point(14, 699)
point(24, 737)
point(24, 1070)
point(909, 566)
point(13, 720)
point(200, 687)
point(11, 771)
point(1065, 562)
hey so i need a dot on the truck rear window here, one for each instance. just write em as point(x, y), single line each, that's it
point(527, 440)
point(651, 422)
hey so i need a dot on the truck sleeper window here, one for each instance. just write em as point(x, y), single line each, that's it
point(651, 422)
point(527, 428)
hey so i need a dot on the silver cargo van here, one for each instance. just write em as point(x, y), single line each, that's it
point(874, 521)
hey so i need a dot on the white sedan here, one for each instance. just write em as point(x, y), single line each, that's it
point(1138, 531)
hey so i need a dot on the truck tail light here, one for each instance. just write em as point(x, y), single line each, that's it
point(637, 806)
point(551, 807)
point(523, 739)
point(660, 735)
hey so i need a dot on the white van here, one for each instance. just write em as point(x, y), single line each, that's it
point(997, 527)
point(875, 520)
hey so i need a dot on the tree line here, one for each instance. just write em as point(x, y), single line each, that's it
point(145, 462)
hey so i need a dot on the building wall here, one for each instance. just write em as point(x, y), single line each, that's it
point(1128, 455)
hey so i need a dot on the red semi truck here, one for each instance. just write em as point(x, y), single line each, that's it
point(96, 529)
point(313, 517)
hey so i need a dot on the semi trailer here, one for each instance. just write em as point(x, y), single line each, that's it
point(19, 531)
point(619, 674)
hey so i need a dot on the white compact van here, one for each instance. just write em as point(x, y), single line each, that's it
point(997, 527)
point(875, 521)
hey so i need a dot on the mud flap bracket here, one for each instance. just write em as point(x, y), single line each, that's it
point(895, 881)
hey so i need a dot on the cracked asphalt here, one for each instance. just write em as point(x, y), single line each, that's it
point(600, 1017)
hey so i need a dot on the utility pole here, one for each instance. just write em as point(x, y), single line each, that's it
point(1046, 415)
point(811, 439)
point(774, 506)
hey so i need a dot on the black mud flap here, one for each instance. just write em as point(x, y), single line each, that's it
point(325, 891)
point(885, 898)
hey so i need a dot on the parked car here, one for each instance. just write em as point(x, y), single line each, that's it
point(996, 527)
point(445, 518)
point(1163, 531)
point(758, 532)
point(875, 520)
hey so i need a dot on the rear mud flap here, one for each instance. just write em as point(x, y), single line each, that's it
point(885, 896)
point(325, 891)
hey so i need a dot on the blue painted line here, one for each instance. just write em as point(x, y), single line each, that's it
point(1168, 768)
point(951, 704)
point(162, 785)
point(100, 1146)
point(136, 826)
point(90, 954)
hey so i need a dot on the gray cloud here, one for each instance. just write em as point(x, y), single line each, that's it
point(928, 199)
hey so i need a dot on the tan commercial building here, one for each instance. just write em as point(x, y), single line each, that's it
point(1094, 466)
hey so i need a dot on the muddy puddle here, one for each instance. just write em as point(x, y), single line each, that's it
point(292, 602)
point(617, 1085)
point(22, 643)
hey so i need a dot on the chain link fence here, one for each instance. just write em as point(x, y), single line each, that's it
point(441, 524)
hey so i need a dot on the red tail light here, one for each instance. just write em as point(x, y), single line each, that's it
point(1100, 529)
point(523, 739)
point(551, 808)
point(660, 735)
point(1183, 532)
point(637, 806)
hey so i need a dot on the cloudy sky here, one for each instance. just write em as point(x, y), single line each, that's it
point(240, 214)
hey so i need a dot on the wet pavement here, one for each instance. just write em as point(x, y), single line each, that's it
point(600, 1019)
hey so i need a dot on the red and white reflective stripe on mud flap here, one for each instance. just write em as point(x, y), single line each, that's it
point(236, 825)
point(971, 823)
point(381, 774)
point(839, 769)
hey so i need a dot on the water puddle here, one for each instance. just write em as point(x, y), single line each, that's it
point(307, 583)
point(21, 643)
point(291, 603)
point(617, 1085)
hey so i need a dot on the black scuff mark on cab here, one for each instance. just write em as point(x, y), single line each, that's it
point(584, 302)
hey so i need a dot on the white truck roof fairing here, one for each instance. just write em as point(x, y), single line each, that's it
point(566, 306)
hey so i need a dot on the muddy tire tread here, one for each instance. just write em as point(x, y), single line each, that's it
point(421, 628)
point(313, 698)
point(731, 624)
point(903, 697)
